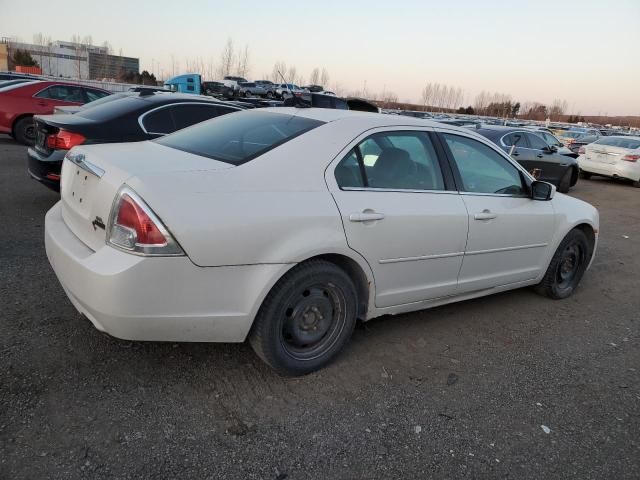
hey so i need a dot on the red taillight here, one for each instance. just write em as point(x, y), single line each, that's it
point(134, 227)
point(631, 158)
point(130, 215)
point(581, 151)
point(64, 140)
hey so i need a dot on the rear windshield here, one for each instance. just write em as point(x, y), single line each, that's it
point(622, 142)
point(111, 108)
point(239, 137)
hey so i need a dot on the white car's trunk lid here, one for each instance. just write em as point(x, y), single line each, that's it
point(605, 153)
point(92, 175)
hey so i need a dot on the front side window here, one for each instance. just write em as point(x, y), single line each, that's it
point(536, 142)
point(482, 169)
point(93, 95)
point(63, 93)
point(394, 161)
point(240, 137)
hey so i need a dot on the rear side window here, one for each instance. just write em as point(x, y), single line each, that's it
point(159, 121)
point(393, 161)
point(186, 115)
point(240, 137)
point(516, 138)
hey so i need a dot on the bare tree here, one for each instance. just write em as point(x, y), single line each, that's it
point(557, 109)
point(227, 58)
point(324, 77)
point(243, 62)
point(291, 74)
point(426, 95)
point(279, 70)
point(314, 78)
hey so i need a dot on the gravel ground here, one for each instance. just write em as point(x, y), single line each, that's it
point(513, 385)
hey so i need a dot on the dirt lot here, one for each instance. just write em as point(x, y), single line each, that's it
point(460, 391)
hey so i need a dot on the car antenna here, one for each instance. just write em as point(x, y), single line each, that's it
point(296, 101)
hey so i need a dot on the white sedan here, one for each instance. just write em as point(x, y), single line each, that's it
point(615, 156)
point(285, 226)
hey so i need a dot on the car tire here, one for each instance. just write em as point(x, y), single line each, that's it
point(247, 94)
point(566, 267)
point(306, 319)
point(636, 183)
point(585, 175)
point(565, 181)
point(24, 131)
point(269, 95)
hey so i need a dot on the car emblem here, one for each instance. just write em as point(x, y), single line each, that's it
point(98, 223)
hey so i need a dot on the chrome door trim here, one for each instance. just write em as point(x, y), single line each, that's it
point(421, 257)
point(507, 249)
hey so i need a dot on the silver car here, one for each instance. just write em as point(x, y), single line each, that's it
point(252, 89)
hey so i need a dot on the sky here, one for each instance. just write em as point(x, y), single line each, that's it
point(585, 52)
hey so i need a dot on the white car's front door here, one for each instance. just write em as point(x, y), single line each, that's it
point(399, 215)
point(509, 233)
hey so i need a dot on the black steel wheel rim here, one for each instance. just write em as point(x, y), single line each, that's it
point(569, 265)
point(312, 320)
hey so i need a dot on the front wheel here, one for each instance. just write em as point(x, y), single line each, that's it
point(585, 175)
point(567, 266)
point(306, 319)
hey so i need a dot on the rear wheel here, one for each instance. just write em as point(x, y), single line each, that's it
point(306, 319)
point(24, 131)
point(585, 175)
point(565, 181)
point(567, 266)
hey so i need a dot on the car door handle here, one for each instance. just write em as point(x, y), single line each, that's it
point(539, 155)
point(484, 215)
point(515, 154)
point(366, 217)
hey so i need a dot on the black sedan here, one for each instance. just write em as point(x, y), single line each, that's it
point(131, 118)
point(542, 160)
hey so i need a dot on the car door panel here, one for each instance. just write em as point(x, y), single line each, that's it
point(509, 233)
point(413, 238)
point(509, 248)
point(415, 250)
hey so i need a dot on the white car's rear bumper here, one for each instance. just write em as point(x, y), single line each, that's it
point(156, 298)
point(620, 168)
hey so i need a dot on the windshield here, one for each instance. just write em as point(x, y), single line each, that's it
point(239, 137)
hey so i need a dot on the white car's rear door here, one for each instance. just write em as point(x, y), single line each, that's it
point(398, 214)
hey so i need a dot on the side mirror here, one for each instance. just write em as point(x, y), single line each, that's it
point(549, 149)
point(542, 191)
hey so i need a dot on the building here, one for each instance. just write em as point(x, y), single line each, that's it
point(74, 60)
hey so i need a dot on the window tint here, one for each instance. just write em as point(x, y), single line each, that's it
point(93, 95)
point(536, 142)
point(516, 138)
point(482, 169)
point(159, 121)
point(187, 115)
point(240, 137)
point(551, 140)
point(63, 93)
point(397, 161)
